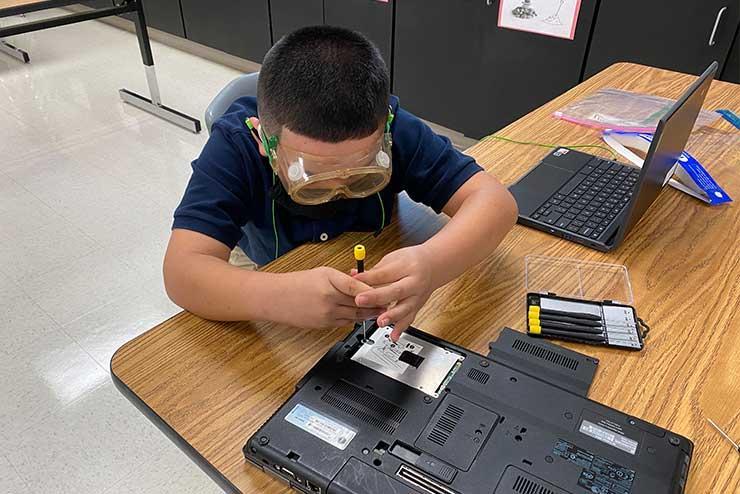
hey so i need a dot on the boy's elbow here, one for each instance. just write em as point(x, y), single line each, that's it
point(173, 283)
point(510, 208)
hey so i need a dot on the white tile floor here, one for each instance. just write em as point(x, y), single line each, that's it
point(87, 189)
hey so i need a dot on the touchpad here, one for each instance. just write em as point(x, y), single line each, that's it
point(537, 186)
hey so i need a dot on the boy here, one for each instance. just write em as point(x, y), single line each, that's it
point(326, 152)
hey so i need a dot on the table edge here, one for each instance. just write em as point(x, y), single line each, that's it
point(173, 436)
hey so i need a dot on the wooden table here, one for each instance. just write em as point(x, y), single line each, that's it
point(210, 385)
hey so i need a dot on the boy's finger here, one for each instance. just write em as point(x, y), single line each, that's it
point(400, 327)
point(381, 275)
point(347, 284)
point(358, 315)
point(396, 314)
point(352, 272)
point(384, 295)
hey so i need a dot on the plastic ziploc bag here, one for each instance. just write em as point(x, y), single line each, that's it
point(623, 111)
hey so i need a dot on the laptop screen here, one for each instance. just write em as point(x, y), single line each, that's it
point(668, 144)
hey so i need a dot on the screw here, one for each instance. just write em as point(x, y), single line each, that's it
point(427, 399)
point(264, 440)
point(568, 415)
point(484, 363)
point(548, 459)
point(631, 422)
point(674, 440)
point(365, 451)
point(651, 450)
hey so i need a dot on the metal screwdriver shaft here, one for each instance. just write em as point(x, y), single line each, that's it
point(724, 434)
point(359, 252)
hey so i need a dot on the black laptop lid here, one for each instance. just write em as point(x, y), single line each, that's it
point(668, 144)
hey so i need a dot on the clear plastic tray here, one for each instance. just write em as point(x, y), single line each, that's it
point(575, 278)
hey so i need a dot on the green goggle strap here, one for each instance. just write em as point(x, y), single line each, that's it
point(269, 143)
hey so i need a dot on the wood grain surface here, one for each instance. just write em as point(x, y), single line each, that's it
point(216, 383)
point(16, 3)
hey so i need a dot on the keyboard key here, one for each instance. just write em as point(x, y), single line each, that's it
point(591, 208)
point(604, 165)
point(554, 202)
point(536, 216)
point(572, 184)
point(586, 231)
point(576, 223)
point(583, 217)
point(559, 209)
point(570, 216)
point(573, 228)
point(595, 235)
point(591, 224)
point(599, 214)
point(552, 218)
point(562, 223)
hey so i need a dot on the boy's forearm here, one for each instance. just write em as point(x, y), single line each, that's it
point(213, 289)
point(474, 231)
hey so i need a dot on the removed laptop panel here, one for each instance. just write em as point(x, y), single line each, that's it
point(426, 416)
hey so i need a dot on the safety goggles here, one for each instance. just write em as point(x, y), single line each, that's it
point(312, 180)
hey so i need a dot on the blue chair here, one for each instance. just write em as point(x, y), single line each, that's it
point(244, 85)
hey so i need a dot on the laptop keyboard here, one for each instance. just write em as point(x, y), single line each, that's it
point(590, 201)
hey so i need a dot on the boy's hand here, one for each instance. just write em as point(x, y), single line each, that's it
point(324, 298)
point(403, 277)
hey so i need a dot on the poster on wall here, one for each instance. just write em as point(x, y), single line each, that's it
point(555, 18)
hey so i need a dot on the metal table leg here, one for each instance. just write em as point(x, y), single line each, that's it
point(14, 52)
point(153, 104)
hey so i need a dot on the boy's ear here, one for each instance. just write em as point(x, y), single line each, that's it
point(255, 135)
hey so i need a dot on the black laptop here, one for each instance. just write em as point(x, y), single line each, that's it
point(594, 201)
point(424, 416)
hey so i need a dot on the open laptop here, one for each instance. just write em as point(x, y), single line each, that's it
point(424, 416)
point(596, 202)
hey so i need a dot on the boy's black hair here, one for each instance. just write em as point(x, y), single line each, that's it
point(327, 83)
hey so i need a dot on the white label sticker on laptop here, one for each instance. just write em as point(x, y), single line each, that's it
point(612, 438)
point(319, 425)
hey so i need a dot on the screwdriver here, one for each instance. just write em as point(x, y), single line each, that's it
point(724, 434)
point(359, 252)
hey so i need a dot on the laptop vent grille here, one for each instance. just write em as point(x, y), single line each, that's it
point(365, 406)
point(523, 485)
point(478, 375)
point(445, 425)
point(544, 353)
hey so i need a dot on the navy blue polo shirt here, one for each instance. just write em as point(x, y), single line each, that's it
point(228, 196)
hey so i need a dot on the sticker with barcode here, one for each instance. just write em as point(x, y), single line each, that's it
point(319, 425)
point(610, 437)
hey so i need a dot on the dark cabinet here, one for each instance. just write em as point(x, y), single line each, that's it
point(732, 67)
point(676, 35)
point(289, 15)
point(238, 27)
point(455, 67)
point(373, 18)
point(164, 15)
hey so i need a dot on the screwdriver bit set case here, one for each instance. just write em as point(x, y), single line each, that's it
point(581, 301)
